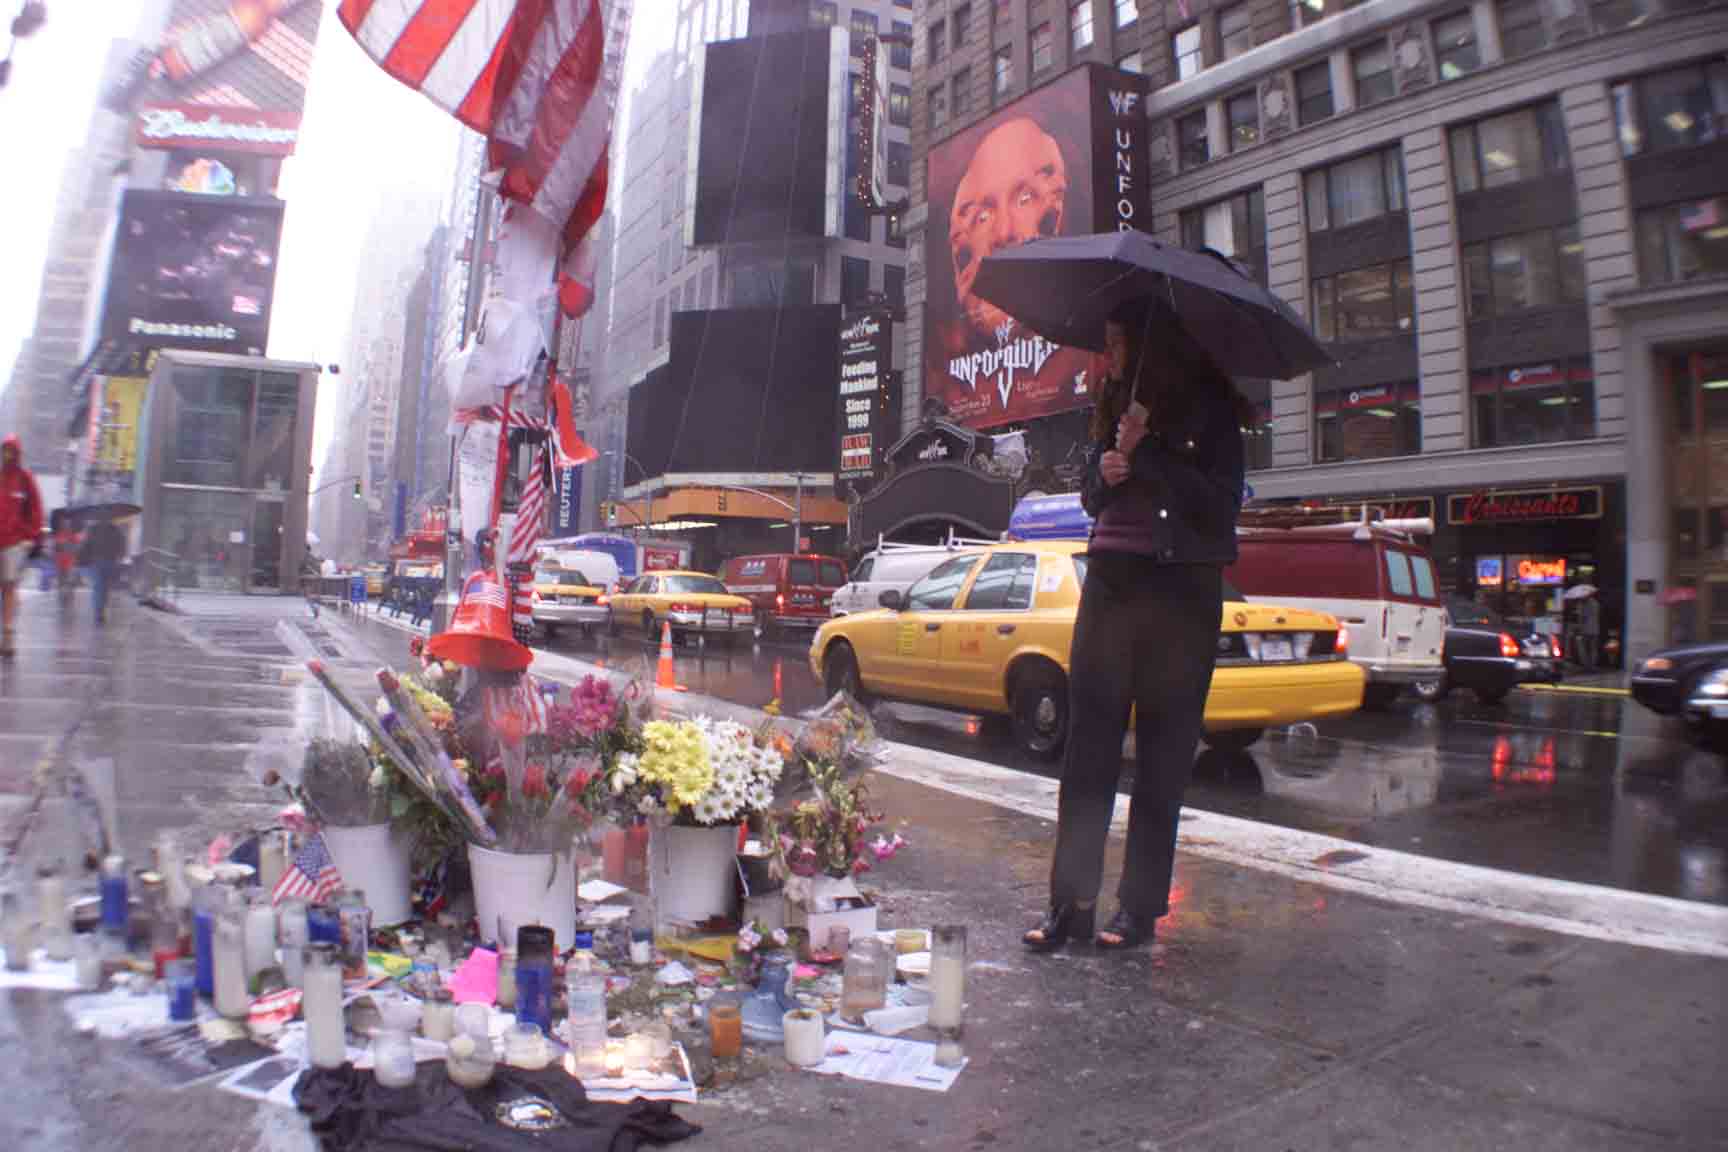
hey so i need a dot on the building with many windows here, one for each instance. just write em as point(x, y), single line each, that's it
point(1509, 221)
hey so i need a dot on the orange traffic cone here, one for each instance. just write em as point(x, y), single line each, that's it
point(666, 676)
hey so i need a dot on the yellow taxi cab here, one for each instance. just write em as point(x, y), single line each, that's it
point(692, 602)
point(988, 632)
point(567, 595)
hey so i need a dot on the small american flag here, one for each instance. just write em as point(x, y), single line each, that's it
point(312, 876)
point(530, 510)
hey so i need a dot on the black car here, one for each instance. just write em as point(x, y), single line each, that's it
point(1667, 678)
point(1484, 654)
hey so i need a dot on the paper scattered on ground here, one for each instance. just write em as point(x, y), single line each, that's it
point(119, 1013)
point(44, 975)
point(679, 1088)
point(674, 975)
point(269, 1081)
point(599, 891)
point(879, 1060)
point(893, 1021)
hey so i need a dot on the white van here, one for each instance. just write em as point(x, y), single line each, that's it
point(888, 568)
point(1374, 578)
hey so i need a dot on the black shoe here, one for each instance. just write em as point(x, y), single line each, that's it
point(1131, 931)
point(1057, 926)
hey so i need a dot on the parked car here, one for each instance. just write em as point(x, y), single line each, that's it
point(694, 603)
point(785, 590)
point(1375, 579)
point(988, 631)
point(887, 568)
point(566, 594)
point(1668, 678)
point(1489, 658)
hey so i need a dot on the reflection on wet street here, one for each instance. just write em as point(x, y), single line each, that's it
point(1577, 786)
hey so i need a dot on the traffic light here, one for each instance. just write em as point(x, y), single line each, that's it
point(357, 495)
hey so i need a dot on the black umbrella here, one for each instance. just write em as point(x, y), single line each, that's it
point(1065, 287)
point(104, 510)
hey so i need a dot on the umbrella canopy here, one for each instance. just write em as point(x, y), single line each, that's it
point(1064, 288)
point(105, 510)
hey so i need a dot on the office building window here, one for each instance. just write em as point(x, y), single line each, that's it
point(1002, 70)
point(1534, 403)
point(854, 280)
point(1004, 11)
point(1192, 143)
point(1242, 113)
point(961, 23)
point(1314, 93)
point(1612, 15)
point(1235, 226)
point(857, 218)
point(1501, 150)
point(1354, 191)
point(1679, 108)
point(1186, 49)
point(1043, 48)
point(1080, 25)
point(938, 106)
point(896, 234)
point(900, 105)
point(899, 164)
point(894, 286)
point(1521, 28)
point(1372, 65)
point(707, 296)
point(824, 14)
point(1683, 241)
point(1235, 30)
point(1127, 11)
point(1455, 45)
point(1528, 270)
point(1364, 304)
point(864, 30)
point(659, 321)
point(1309, 12)
point(1131, 63)
point(936, 38)
point(1368, 423)
point(900, 50)
point(962, 85)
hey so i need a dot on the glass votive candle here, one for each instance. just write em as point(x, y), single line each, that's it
point(725, 1028)
point(182, 977)
point(525, 1047)
point(638, 1051)
point(392, 1057)
point(805, 1039)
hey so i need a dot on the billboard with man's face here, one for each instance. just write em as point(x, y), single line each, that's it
point(1065, 160)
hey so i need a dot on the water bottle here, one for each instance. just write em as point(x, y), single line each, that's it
point(585, 990)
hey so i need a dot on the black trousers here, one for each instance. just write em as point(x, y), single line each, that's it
point(1146, 640)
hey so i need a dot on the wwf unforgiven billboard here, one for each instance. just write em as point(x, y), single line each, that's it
point(192, 271)
point(1068, 159)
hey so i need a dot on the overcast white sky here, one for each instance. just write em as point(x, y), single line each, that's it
point(363, 134)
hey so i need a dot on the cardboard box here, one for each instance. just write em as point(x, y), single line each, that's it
point(859, 921)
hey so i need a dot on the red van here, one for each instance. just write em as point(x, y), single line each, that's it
point(788, 591)
point(1374, 578)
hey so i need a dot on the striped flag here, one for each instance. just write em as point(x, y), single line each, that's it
point(530, 510)
point(312, 876)
point(529, 75)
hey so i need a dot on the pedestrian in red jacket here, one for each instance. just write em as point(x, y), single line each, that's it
point(20, 532)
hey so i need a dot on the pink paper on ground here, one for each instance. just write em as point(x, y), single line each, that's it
point(476, 981)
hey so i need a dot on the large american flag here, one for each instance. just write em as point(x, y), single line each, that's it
point(312, 876)
point(529, 75)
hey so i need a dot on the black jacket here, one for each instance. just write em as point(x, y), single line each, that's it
point(1184, 490)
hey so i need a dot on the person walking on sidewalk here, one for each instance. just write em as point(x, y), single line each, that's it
point(104, 548)
point(1589, 626)
point(1163, 482)
point(20, 533)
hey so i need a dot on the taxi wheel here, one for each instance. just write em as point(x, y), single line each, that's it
point(840, 672)
point(1039, 699)
point(1234, 740)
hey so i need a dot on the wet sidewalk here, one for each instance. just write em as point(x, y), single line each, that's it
point(1271, 1014)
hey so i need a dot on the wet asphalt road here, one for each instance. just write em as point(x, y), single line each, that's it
point(1577, 786)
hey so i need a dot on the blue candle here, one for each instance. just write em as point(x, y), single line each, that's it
point(323, 925)
point(115, 908)
point(182, 991)
point(534, 993)
point(203, 953)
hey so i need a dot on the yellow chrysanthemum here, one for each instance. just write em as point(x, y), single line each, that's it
point(675, 758)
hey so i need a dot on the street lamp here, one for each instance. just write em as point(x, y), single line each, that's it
point(339, 480)
point(628, 459)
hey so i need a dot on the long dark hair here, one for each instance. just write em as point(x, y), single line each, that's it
point(1168, 372)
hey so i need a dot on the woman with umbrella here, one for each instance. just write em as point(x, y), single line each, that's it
point(1164, 485)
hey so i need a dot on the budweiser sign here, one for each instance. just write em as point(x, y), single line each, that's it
point(194, 127)
point(1542, 504)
